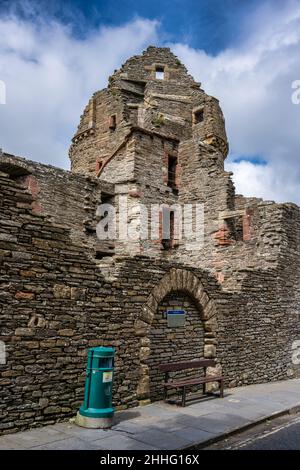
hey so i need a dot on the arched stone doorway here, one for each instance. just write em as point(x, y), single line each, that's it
point(174, 344)
point(188, 288)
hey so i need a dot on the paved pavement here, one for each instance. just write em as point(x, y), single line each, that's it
point(161, 426)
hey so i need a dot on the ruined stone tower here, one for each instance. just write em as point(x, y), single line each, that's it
point(159, 138)
point(152, 92)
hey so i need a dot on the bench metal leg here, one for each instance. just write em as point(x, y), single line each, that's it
point(183, 396)
point(165, 393)
point(221, 389)
point(204, 388)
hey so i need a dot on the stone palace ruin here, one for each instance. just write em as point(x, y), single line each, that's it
point(153, 136)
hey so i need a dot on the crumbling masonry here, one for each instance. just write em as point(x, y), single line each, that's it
point(153, 136)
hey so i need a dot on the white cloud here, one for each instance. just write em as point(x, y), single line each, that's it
point(253, 82)
point(50, 76)
point(267, 182)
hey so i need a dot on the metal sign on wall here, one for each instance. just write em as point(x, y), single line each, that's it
point(176, 318)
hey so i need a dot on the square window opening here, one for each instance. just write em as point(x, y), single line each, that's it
point(198, 116)
point(160, 73)
point(235, 228)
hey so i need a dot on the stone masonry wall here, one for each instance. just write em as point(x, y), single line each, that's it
point(55, 303)
point(257, 332)
point(64, 197)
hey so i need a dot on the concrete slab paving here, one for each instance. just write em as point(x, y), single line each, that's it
point(35, 437)
point(121, 442)
point(71, 429)
point(216, 424)
point(193, 435)
point(70, 443)
point(198, 411)
point(135, 426)
point(161, 426)
point(251, 413)
point(7, 443)
point(162, 440)
point(159, 410)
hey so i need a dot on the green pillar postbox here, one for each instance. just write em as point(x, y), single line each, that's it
point(96, 410)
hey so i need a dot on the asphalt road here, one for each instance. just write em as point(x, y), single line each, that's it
point(285, 438)
point(279, 434)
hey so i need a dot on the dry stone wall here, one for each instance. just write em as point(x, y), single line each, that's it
point(65, 198)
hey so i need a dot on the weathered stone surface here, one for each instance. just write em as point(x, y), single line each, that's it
point(62, 291)
point(31, 344)
point(141, 328)
point(52, 410)
point(144, 353)
point(143, 388)
point(24, 332)
point(210, 351)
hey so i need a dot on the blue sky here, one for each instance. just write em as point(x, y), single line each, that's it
point(55, 54)
point(211, 25)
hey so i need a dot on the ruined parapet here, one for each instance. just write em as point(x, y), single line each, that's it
point(63, 198)
point(102, 129)
point(209, 124)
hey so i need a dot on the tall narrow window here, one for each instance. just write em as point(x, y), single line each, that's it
point(168, 228)
point(113, 122)
point(159, 73)
point(198, 116)
point(172, 167)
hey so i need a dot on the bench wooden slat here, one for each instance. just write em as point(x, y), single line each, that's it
point(200, 380)
point(176, 366)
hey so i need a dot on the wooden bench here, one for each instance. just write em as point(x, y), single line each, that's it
point(183, 384)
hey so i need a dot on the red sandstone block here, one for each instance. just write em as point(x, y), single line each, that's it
point(220, 277)
point(32, 185)
point(36, 207)
point(24, 295)
point(247, 227)
point(225, 242)
point(135, 193)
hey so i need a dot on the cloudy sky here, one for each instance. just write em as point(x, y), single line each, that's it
point(55, 54)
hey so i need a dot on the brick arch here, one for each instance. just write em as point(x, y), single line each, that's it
point(177, 280)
